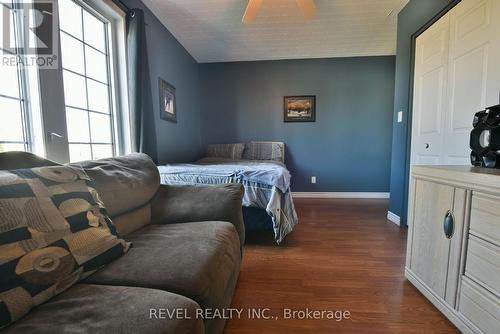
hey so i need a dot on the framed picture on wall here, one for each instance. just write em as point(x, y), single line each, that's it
point(168, 110)
point(300, 108)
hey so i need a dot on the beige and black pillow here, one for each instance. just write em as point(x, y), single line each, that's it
point(54, 231)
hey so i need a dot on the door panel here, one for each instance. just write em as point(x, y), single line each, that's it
point(493, 78)
point(460, 202)
point(468, 74)
point(468, 82)
point(431, 71)
point(430, 247)
point(431, 100)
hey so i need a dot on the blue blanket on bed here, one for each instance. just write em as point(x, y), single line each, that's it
point(267, 185)
point(273, 174)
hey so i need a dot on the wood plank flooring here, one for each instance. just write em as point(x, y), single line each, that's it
point(343, 255)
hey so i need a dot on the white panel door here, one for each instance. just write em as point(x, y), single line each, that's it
point(454, 79)
point(429, 93)
point(473, 78)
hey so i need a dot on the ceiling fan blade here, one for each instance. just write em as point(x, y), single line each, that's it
point(307, 7)
point(251, 11)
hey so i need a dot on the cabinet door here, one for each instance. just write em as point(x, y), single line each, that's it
point(430, 249)
point(432, 256)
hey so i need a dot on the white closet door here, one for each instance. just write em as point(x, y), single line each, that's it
point(429, 93)
point(493, 76)
point(457, 73)
point(473, 66)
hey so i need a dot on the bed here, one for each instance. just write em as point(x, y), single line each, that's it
point(259, 166)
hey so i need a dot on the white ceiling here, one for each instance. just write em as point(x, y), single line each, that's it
point(211, 30)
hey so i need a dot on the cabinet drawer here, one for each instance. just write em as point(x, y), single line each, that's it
point(483, 264)
point(485, 217)
point(479, 306)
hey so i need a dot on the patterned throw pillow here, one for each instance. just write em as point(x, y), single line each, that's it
point(228, 151)
point(264, 150)
point(54, 231)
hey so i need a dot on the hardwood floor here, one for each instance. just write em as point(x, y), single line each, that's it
point(343, 255)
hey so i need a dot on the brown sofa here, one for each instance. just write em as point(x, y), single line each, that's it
point(186, 254)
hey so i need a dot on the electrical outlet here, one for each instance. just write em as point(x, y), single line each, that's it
point(400, 116)
point(313, 179)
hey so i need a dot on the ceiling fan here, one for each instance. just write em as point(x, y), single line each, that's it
point(307, 7)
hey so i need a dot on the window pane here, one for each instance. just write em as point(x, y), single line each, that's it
point(96, 65)
point(75, 92)
point(8, 80)
point(99, 94)
point(102, 151)
point(70, 18)
point(9, 14)
point(18, 80)
point(7, 147)
point(79, 152)
point(78, 125)
point(95, 34)
point(100, 128)
point(11, 123)
point(72, 54)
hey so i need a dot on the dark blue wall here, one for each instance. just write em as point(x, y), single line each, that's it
point(414, 16)
point(168, 59)
point(348, 148)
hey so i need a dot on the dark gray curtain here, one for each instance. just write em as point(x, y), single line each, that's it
point(142, 118)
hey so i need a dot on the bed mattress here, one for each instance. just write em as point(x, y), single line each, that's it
point(266, 183)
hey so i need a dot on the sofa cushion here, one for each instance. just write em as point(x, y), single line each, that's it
point(197, 260)
point(18, 160)
point(87, 308)
point(124, 183)
point(134, 220)
point(54, 231)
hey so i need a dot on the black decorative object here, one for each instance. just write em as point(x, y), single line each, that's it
point(485, 138)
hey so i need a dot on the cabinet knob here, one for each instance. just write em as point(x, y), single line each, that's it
point(427, 145)
point(449, 224)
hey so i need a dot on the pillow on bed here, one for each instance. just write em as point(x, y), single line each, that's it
point(264, 150)
point(228, 151)
point(54, 231)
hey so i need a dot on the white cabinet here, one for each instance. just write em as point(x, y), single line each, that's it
point(453, 251)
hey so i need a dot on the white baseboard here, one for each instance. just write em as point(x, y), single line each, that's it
point(392, 217)
point(339, 195)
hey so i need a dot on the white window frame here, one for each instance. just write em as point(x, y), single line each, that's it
point(29, 101)
point(52, 89)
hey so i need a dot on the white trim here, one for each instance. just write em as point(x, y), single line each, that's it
point(394, 218)
point(339, 195)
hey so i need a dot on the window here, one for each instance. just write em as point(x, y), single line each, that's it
point(87, 78)
point(81, 97)
point(20, 126)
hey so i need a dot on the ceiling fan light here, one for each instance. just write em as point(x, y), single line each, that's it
point(251, 11)
point(307, 7)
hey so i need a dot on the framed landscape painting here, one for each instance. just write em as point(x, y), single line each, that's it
point(167, 101)
point(300, 108)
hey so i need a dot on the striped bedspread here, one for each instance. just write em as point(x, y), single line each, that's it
point(266, 183)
